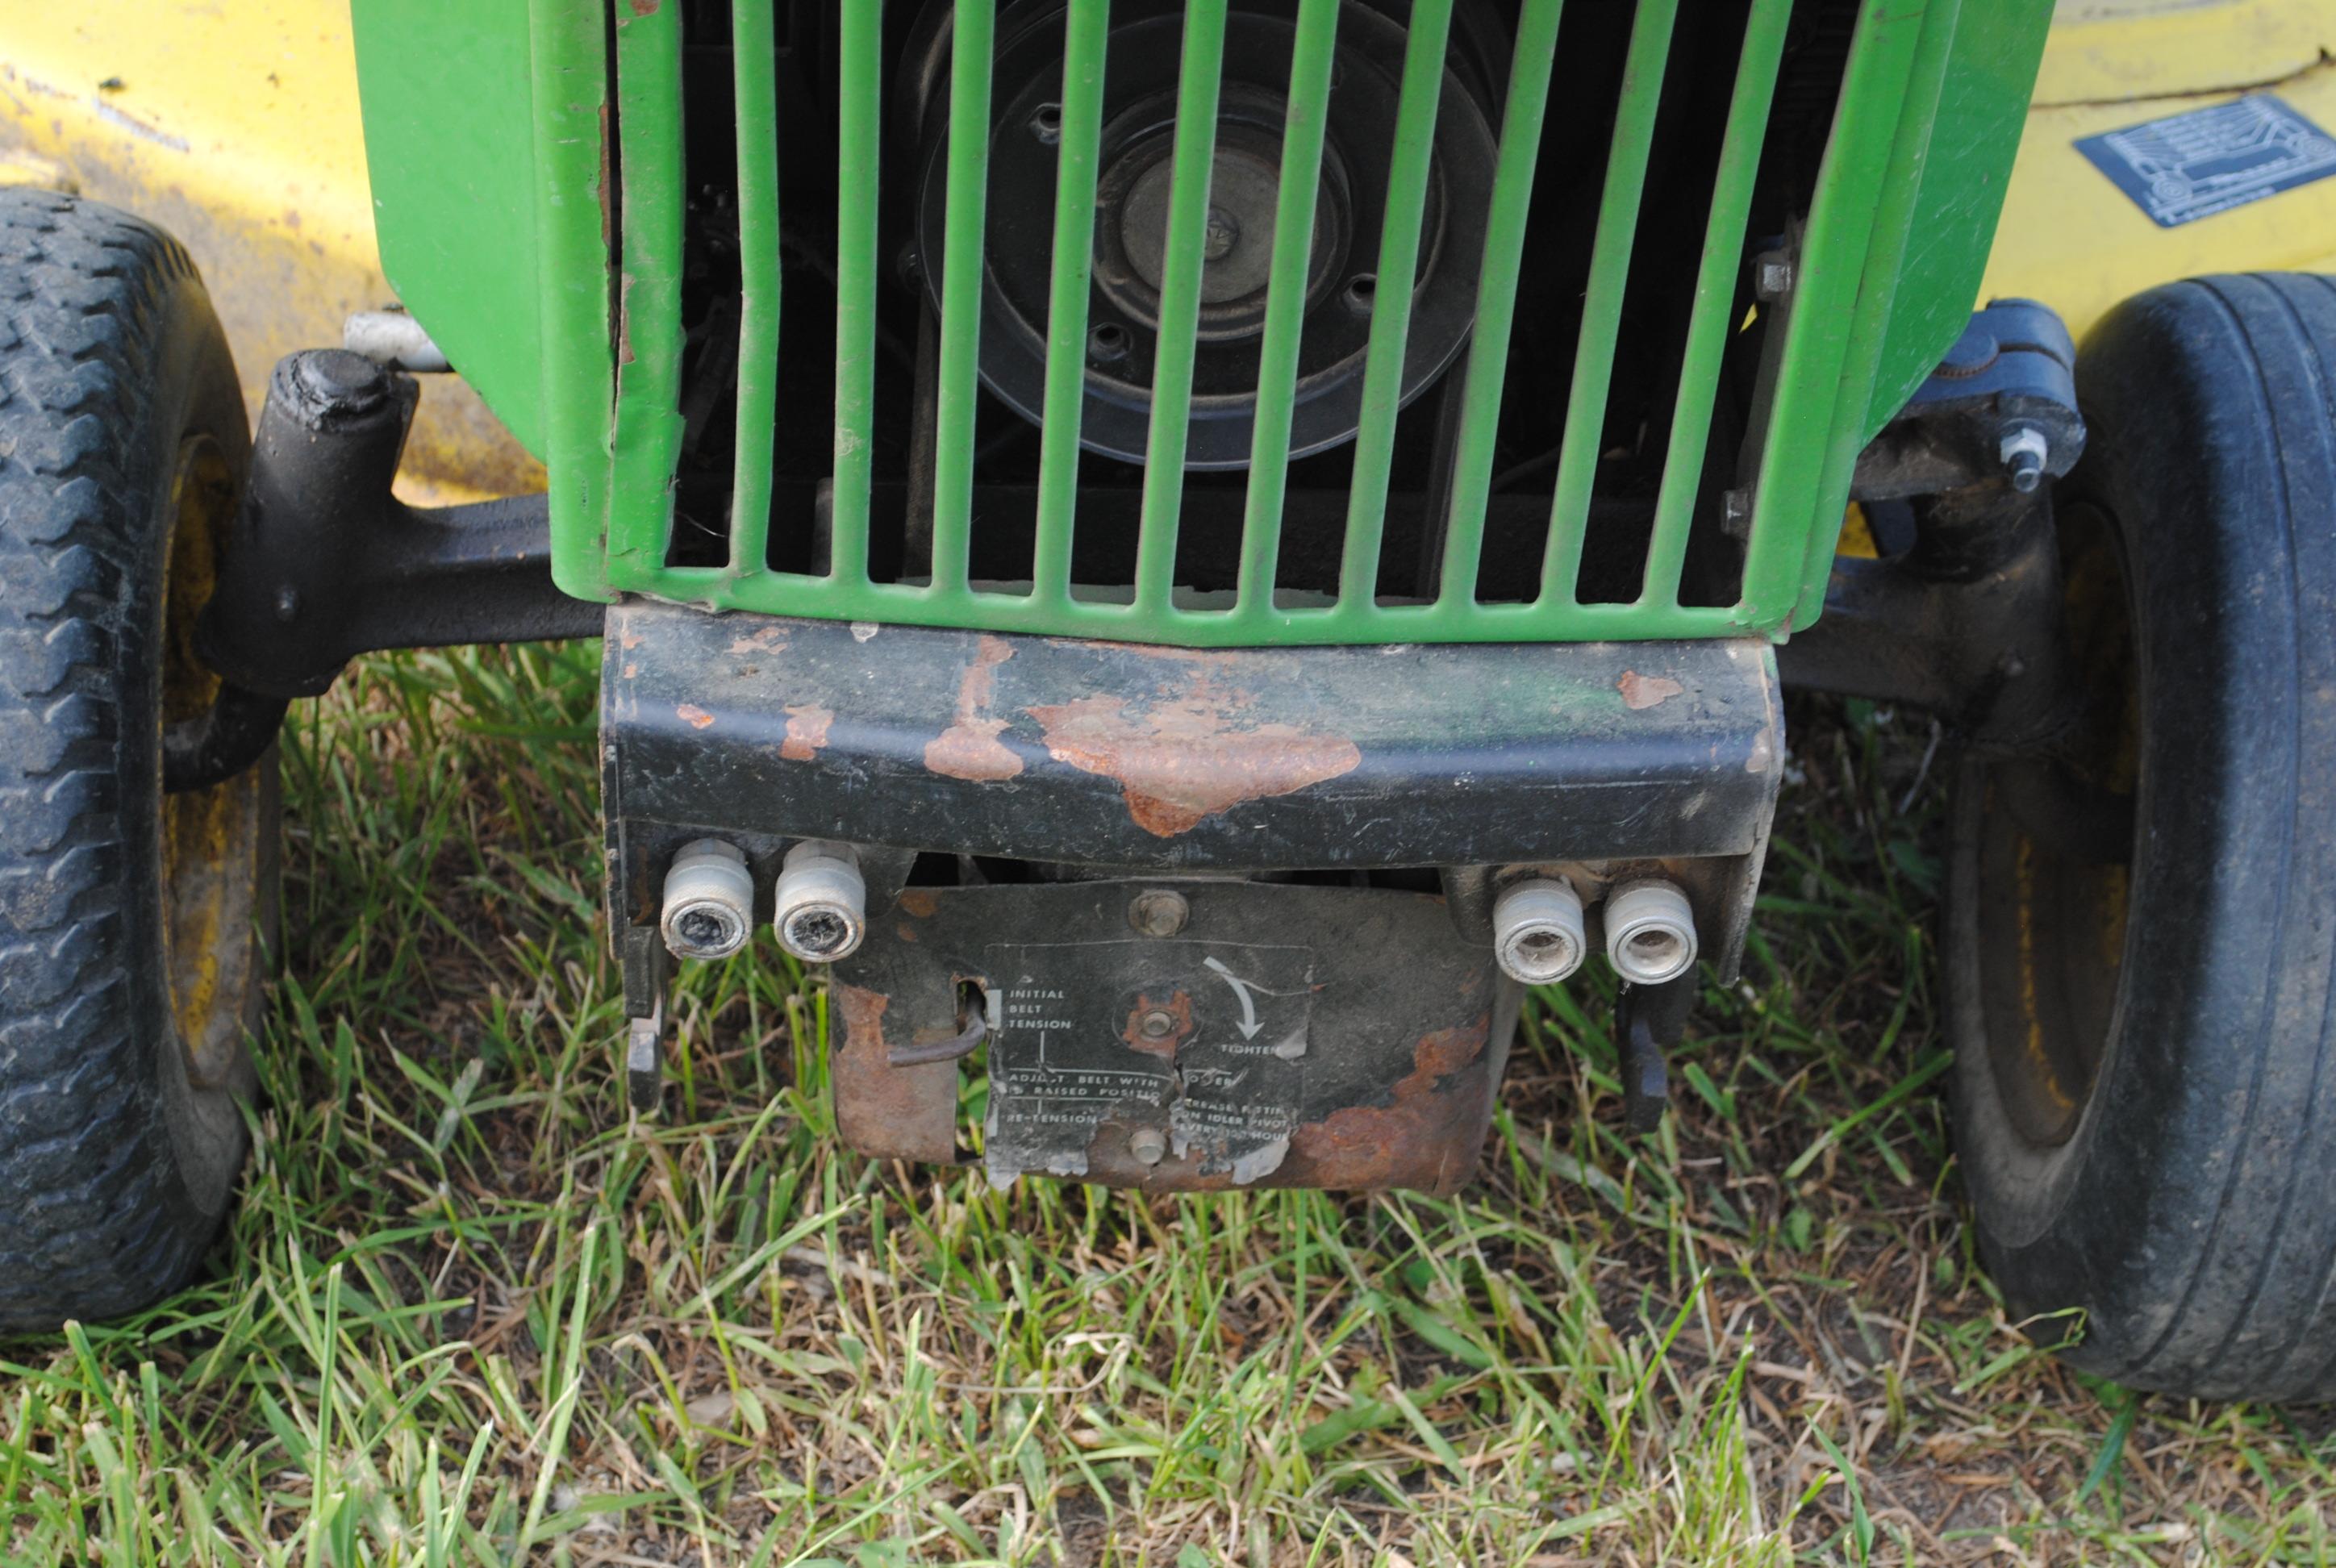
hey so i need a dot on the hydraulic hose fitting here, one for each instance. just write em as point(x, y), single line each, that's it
point(709, 900)
point(1538, 936)
point(1650, 931)
point(822, 902)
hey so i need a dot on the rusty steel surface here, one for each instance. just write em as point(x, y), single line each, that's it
point(1099, 753)
point(889, 1112)
point(1286, 1037)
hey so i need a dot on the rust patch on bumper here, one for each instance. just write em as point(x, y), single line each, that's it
point(1183, 758)
point(886, 1112)
point(970, 748)
point(1640, 692)
point(768, 639)
point(1428, 1137)
point(807, 727)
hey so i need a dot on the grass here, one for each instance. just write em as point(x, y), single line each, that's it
point(468, 1313)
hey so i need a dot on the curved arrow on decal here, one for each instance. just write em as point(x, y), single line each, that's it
point(1249, 1024)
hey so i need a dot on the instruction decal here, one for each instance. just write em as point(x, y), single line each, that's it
point(1201, 1045)
point(2194, 165)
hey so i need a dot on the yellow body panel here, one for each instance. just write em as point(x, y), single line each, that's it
point(2070, 238)
point(233, 125)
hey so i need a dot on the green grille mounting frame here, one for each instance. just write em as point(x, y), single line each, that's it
point(1920, 75)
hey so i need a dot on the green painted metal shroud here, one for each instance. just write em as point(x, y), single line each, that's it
point(500, 213)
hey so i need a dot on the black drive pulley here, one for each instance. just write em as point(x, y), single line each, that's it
point(1132, 197)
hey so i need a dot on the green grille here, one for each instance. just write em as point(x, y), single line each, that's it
point(1805, 433)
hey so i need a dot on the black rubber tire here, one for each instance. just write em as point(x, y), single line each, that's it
point(2189, 1207)
point(119, 1145)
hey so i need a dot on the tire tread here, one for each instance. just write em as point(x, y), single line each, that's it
point(96, 1227)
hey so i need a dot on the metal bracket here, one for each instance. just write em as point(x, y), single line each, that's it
point(644, 1062)
point(323, 564)
point(1647, 1021)
point(2002, 404)
point(1967, 622)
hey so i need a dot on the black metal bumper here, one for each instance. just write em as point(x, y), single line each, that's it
point(1111, 754)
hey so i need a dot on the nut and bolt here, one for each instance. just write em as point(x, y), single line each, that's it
point(1650, 931)
point(2024, 452)
point(709, 900)
point(1772, 275)
point(1157, 1025)
point(1158, 913)
point(1538, 936)
point(1736, 513)
point(822, 902)
point(1148, 1145)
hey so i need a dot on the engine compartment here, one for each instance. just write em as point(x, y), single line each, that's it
point(1139, 81)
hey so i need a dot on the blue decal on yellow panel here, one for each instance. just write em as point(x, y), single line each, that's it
point(2189, 166)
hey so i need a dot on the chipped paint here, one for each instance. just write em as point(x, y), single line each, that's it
point(970, 748)
point(1640, 692)
point(920, 903)
point(771, 639)
point(1181, 759)
point(625, 318)
point(807, 726)
point(693, 716)
point(139, 128)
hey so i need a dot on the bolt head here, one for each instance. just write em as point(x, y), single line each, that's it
point(1158, 1024)
point(1224, 232)
point(1148, 1145)
point(1158, 913)
point(1736, 513)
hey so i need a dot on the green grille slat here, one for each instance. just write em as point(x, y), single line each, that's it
point(756, 86)
point(1715, 295)
point(568, 78)
point(1399, 264)
point(1086, 32)
point(1307, 113)
point(1496, 297)
point(1197, 91)
point(860, 48)
point(958, 395)
point(1601, 308)
point(612, 486)
point(648, 298)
